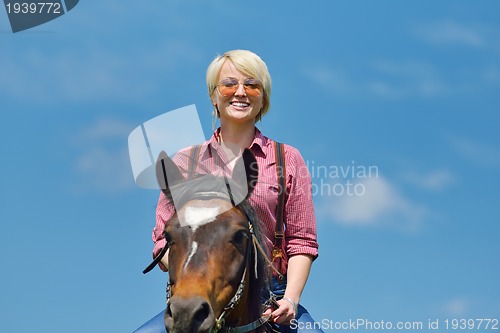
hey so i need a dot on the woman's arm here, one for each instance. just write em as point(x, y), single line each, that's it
point(299, 267)
point(300, 234)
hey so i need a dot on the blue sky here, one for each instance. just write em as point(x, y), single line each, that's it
point(409, 88)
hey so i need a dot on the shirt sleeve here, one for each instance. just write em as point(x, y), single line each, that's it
point(300, 232)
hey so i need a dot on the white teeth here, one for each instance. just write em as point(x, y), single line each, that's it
point(240, 104)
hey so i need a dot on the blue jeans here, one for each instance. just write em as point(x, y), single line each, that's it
point(302, 323)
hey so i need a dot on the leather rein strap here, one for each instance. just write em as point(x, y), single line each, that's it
point(279, 151)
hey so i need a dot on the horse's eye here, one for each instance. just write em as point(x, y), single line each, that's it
point(239, 237)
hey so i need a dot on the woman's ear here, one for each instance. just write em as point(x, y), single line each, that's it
point(213, 99)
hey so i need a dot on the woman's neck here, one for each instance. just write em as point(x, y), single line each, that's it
point(237, 135)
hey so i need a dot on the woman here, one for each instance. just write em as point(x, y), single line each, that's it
point(239, 86)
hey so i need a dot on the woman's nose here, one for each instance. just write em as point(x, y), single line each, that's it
point(241, 90)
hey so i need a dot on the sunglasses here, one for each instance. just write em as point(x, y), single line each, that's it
point(228, 87)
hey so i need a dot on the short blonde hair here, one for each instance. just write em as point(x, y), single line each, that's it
point(249, 64)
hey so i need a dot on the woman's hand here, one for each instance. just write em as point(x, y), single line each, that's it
point(284, 314)
point(298, 271)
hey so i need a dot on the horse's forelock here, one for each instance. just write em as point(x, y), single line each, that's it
point(206, 186)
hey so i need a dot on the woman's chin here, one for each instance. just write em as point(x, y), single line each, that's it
point(240, 115)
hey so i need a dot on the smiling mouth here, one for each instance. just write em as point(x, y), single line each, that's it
point(240, 104)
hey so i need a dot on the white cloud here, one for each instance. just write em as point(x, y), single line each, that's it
point(106, 128)
point(69, 75)
point(104, 170)
point(330, 79)
point(455, 307)
point(86, 73)
point(395, 80)
point(407, 79)
point(449, 32)
point(435, 180)
point(414, 77)
point(384, 79)
point(461, 306)
point(103, 164)
point(478, 153)
point(84, 61)
point(377, 202)
point(491, 74)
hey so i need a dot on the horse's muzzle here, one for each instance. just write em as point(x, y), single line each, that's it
point(189, 315)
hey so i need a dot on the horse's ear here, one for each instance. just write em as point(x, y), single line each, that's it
point(167, 173)
point(251, 169)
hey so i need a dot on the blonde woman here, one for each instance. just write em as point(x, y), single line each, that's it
point(239, 86)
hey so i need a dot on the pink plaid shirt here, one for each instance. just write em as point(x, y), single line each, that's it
point(300, 221)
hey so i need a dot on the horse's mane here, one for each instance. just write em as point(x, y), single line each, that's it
point(261, 278)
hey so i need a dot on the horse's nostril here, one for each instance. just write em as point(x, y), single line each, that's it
point(192, 314)
point(168, 311)
point(202, 313)
point(168, 319)
point(204, 317)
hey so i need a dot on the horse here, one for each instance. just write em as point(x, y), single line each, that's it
point(217, 266)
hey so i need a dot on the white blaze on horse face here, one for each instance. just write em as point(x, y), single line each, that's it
point(194, 248)
point(197, 216)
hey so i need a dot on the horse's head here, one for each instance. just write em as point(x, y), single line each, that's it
point(212, 267)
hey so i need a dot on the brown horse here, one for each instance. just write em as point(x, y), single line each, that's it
point(216, 272)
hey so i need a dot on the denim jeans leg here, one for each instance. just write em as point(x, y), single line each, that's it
point(154, 325)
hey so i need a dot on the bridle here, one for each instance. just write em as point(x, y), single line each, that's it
point(253, 243)
point(220, 321)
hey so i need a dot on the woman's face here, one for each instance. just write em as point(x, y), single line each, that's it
point(245, 103)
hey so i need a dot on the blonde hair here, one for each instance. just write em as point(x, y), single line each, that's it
point(249, 64)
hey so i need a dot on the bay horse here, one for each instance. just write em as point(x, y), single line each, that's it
point(216, 271)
